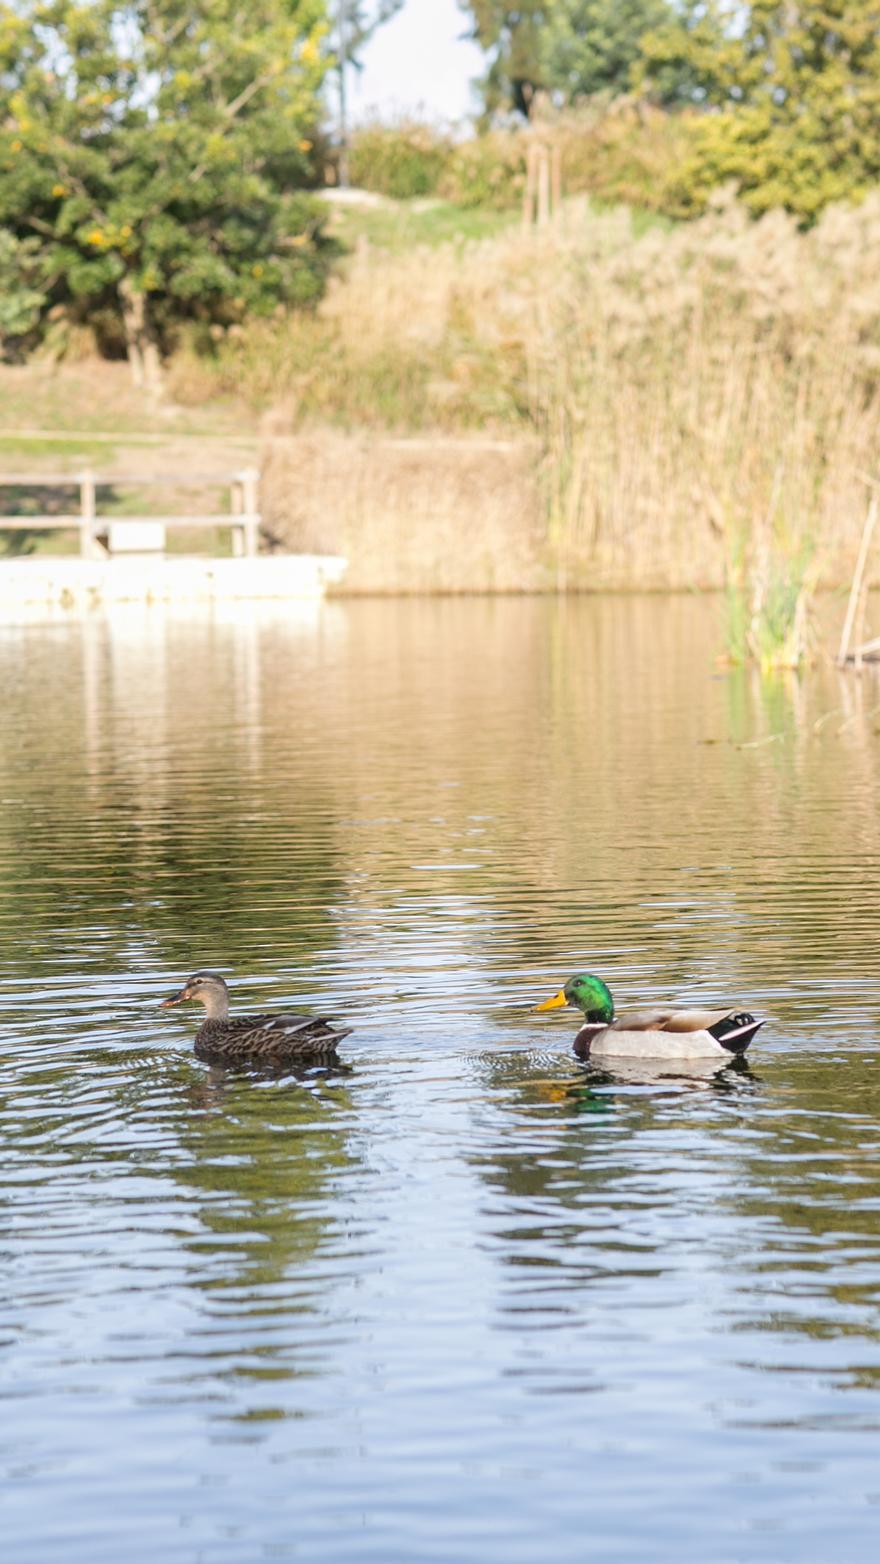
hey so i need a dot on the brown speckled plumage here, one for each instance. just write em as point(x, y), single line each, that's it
point(274, 1040)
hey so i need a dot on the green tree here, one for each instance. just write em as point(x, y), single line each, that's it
point(513, 38)
point(794, 96)
point(591, 46)
point(157, 151)
point(569, 48)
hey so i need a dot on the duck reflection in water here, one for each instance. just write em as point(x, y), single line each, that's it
point(684, 1075)
point(259, 1170)
point(588, 1092)
point(212, 1091)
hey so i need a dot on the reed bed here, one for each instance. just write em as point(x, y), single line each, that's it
point(703, 398)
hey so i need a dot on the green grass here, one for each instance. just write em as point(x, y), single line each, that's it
point(642, 219)
point(56, 541)
point(397, 226)
point(40, 446)
point(216, 543)
point(401, 225)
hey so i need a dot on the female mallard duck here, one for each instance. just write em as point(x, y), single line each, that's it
point(650, 1034)
point(290, 1038)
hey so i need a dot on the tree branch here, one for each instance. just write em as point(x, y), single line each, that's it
point(230, 110)
point(245, 96)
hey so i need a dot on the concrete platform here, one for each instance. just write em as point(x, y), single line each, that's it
point(33, 586)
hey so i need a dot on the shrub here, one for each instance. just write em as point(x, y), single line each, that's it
point(792, 99)
point(403, 160)
point(625, 150)
point(622, 150)
point(487, 171)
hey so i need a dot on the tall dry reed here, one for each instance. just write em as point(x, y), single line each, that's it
point(712, 388)
point(705, 397)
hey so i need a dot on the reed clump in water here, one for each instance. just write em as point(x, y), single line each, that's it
point(769, 596)
point(703, 396)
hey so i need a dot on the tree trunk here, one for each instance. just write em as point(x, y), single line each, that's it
point(343, 94)
point(143, 350)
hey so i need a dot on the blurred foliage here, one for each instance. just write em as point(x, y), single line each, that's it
point(487, 171)
point(784, 100)
point(623, 149)
point(794, 101)
point(614, 149)
point(399, 225)
point(591, 46)
point(569, 49)
point(22, 299)
point(402, 160)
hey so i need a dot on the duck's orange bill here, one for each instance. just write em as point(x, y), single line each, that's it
point(173, 999)
point(554, 1003)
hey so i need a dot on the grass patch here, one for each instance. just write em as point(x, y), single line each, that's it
point(58, 446)
point(69, 401)
point(402, 225)
point(214, 542)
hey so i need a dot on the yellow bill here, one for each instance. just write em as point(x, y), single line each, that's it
point(554, 1003)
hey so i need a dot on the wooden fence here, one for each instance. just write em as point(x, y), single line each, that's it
point(100, 536)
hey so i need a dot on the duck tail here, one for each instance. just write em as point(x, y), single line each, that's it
point(735, 1031)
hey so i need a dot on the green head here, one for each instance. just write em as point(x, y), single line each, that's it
point(587, 993)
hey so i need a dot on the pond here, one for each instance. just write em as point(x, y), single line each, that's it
point(467, 1299)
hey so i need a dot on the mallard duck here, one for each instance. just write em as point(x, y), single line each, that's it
point(650, 1034)
point(288, 1038)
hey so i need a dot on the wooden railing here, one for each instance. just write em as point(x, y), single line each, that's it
point(97, 533)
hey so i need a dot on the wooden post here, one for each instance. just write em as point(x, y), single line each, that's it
point(556, 178)
point(343, 40)
point(855, 591)
point(859, 653)
point(250, 494)
point(87, 514)
point(543, 189)
point(528, 212)
point(236, 506)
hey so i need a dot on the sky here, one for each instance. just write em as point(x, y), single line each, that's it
point(418, 63)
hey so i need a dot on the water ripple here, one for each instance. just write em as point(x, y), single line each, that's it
point(465, 1299)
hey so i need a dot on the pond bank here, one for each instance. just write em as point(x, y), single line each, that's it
point(473, 513)
point(467, 513)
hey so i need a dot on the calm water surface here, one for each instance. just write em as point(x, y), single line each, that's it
point(469, 1302)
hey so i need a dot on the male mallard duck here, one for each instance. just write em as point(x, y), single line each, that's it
point(289, 1038)
point(650, 1034)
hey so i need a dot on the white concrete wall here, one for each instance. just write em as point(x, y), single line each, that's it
point(83, 586)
